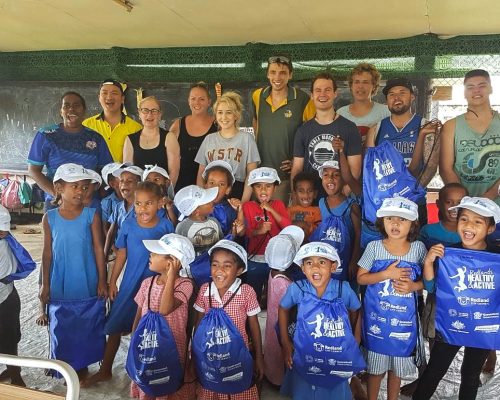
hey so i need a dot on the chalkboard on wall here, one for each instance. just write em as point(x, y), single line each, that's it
point(26, 107)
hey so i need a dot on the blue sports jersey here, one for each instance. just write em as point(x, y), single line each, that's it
point(404, 139)
point(53, 146)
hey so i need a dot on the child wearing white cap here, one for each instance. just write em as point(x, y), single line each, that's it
point(168, 294)
point(73, 257)
point(280, 252)
point(10, 304)
point(131, 258)
point(315, 298)
point(477, 217)
point(397, 220)
point(264, 218)
point(195, 205)
point(341, 220)
point(228, 260)
point(159, 176)
point(109, 202)
point(219, 173)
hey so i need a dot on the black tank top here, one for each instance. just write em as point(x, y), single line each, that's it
point(189, 146)
point(143, 157)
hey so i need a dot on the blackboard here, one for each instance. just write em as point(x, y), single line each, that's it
point(26, 107)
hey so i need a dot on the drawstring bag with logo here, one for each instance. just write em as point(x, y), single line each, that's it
point(76, 331)
point(326, 352)
point(386, 175)
point(390, 320)
point(222, 360)
point(153, 361)
point(468, 298)
point(334, 231)
point(25, 264)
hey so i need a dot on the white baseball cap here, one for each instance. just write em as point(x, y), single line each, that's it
point(398, 207)
point(218, 163)
point(107, 170)
point(189, 198)
point(133, 169)
point(4, 219)
point(320, 249)
point(175, 245)
point(96, 178)
point(263, 174)
point(232, 247)
point(73, 173)
point(480, 205)
point(154, 168)
point(282, 248)
point(328, 164)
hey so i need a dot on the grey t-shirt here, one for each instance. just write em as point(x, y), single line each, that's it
point(8, 265)
point(203, 235)
point(238, 151)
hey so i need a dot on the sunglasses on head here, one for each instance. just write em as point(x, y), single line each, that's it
point(279, 60)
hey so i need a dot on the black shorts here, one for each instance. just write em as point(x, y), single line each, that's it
point(10, 326)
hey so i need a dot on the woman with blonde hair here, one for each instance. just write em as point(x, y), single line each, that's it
point(152, 145)
point(230, 144)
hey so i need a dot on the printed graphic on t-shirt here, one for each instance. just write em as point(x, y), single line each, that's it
point(320, 150)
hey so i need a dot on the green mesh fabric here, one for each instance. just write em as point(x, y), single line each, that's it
point(424, 56)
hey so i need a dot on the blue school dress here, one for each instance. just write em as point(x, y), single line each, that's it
point(73, 273)
point(130, 236)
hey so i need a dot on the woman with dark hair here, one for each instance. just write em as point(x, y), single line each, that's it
point(190, 131)
point(67, 142)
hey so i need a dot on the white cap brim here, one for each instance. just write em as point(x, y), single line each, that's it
point(158, 247)
point(233, 247)
point(478, 210)
point(295, 232)
point(397, 212)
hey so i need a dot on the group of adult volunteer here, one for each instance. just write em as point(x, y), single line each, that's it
point(294, 131)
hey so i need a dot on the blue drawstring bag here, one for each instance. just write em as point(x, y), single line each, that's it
point(334, 231)
point(390, 320)
point(153, 360)
point(222, 360)
point(25, 264)
point(225, 214)
point(76, 331)
point(386, 175)
point(468, 298)
point(326, 352)
point(199, 269)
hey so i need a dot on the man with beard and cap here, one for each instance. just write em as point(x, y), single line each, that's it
point(113, 125)
point(403, 128)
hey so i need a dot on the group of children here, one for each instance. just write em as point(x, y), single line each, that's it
point(253, 250)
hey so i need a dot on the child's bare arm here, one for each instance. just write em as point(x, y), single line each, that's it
point(110, 237)
point(257, 343)
point(286, 343)
point(121, 257)
point(102, 289)
point(169, 302)
point(136, 319)
point(197, 319)
point(46, 261)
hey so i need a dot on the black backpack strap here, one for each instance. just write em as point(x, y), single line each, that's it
point(228, 300)
point(340, 289)
point(149, 292)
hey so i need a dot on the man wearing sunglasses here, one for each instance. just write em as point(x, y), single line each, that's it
point(113, 125)
point(279, 109)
